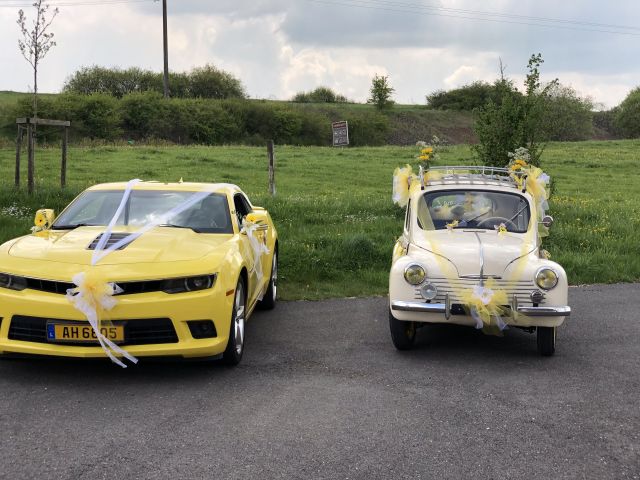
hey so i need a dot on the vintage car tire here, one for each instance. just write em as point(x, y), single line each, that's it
point(546, 338)
point(403, 334)
point(268, 302)
point(235, 346)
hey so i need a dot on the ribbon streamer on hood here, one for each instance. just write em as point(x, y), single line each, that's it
point(259, 248)
point(93, 295)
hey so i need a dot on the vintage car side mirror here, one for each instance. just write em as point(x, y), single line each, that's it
point(44, 219)
point(547, 220)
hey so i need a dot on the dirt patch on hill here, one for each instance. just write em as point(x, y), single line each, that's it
point(409, 127)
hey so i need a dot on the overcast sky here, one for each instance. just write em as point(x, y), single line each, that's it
point(280, 47)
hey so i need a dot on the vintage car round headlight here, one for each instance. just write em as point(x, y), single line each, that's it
point(414, 274)
point(546, 278)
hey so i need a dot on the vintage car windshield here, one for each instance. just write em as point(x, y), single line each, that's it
point(481, 209)
point(209, 215)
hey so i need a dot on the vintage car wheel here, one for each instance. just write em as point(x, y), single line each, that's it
point(235, 347)
point(268, 302)
point(546, 337)
point(403, 334)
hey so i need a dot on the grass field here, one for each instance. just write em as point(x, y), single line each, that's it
point(333, 209)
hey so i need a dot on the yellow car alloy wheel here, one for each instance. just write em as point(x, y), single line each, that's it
point(235, 346)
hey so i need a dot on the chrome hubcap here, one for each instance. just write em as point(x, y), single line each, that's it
point(238, 321)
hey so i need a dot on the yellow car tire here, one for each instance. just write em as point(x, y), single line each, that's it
point(235, 346)
point(268, 302)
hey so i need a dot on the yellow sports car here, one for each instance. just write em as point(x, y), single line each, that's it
point(139, 269)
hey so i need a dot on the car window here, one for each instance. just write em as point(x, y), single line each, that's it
point(209, 215)
point(481, 209)
point(243, 208)
point(407, 218)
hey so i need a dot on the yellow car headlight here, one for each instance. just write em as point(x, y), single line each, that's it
point(546, 278)
point(189, 284)
point(12, 282)
point(414, 274)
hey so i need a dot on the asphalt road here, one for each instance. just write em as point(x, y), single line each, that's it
point(322, 393)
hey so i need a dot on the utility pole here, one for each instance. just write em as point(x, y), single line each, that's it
point(166, 49)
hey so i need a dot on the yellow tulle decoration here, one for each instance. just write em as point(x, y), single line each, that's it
point(42, 220)
point(432, 177)
point(485, 304)
point(404, 184)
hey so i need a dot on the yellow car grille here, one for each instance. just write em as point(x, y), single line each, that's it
point(137, 332)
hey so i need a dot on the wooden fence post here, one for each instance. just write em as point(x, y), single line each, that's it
point(63, 164)
point(272, 168)
point(18, 152)
point(30, 159)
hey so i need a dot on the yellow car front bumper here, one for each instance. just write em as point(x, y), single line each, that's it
point(155, 323)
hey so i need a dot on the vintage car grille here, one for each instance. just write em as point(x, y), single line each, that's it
point(136, 332)
point(522, 289)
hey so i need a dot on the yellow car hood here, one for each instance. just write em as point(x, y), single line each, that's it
point(161, 244)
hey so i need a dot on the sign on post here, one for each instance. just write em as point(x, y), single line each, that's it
point(340, 133)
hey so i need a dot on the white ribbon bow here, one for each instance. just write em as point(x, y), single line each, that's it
point(259, 248)
point(89, 306)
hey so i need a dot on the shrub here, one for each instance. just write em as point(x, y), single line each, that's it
point(367, 128)
point(568, 117)
point(466, 98)
point(627, 116)
point(142, 113)
point(201, 82)
point(319, 95)
point(209, 82)
point(99, 116)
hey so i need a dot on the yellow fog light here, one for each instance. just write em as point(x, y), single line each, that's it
point(414, 274)
point(546, 278)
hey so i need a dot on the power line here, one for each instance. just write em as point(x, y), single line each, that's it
point(82, 3)
point(500, 14)
point(397, 7)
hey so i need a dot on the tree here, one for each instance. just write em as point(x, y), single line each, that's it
point(627, 115)
point(381, 92)
point(200, 82)
point(568, 116)
point(319, 95)
point(465, 98)
point(36, 43)
point(514, 120)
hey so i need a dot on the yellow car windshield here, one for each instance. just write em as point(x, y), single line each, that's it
point(210, 215)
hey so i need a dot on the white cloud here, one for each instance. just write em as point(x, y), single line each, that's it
point(280, 47)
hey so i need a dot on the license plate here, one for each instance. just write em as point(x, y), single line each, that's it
point(69, 332)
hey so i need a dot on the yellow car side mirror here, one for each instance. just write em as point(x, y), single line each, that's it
point(43, 219)
point(255, 218)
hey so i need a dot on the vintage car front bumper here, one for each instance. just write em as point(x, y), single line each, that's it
point(445, 309)
point(527, 315)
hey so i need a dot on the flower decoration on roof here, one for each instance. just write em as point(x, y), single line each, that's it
point(452, 225)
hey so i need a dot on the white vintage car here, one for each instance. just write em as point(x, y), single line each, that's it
point(470, 254)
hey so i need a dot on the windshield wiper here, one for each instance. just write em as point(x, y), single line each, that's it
point(171, 225)
point(73, 227)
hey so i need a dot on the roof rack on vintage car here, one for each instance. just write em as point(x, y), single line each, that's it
point(474, 175)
